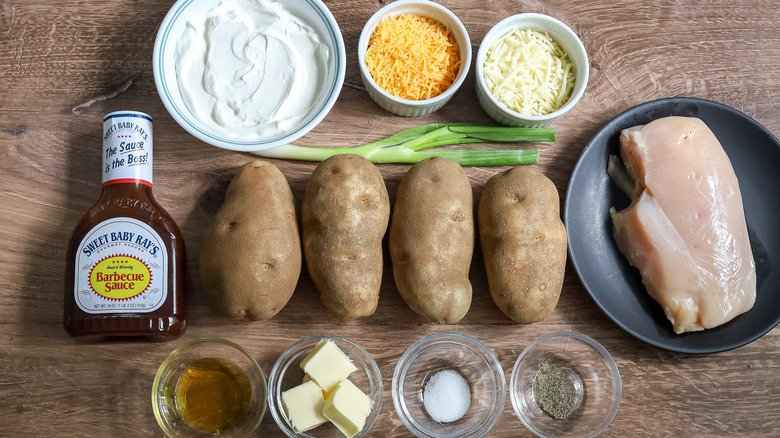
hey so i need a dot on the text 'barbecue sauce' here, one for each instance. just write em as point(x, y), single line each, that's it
point(126, 258)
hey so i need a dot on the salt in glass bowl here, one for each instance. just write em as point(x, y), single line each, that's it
point(468, 357)
point(564, 36)
point(165, 403)
point(313, 12)
point(589, 372)
point(287, 373)
point(424, 8)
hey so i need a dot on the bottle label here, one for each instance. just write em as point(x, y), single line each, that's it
point(121, 267)
point(127, 148)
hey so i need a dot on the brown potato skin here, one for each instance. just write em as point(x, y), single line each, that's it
point(344, 217)
point(250, 257)
point(432, 240)
point(523, 242)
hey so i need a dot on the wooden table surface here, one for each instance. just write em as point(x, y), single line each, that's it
point(64, 65)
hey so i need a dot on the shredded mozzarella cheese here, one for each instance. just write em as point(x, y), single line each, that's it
point(413, 57)
point(529, 72)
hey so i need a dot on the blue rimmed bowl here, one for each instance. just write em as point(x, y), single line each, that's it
point(313, 13)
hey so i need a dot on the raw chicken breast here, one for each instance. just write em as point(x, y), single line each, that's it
point(685, 229)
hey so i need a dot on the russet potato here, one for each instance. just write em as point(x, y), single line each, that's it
point(344, 216)
point(250, 257)
point(431, 239)
point(523, 243)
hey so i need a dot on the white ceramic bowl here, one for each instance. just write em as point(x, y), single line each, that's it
point(425, 8)
point(312, 12)
point(568, 40)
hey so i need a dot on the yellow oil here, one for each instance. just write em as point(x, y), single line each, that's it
point(213, 395)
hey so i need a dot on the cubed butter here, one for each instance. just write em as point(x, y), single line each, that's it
point(347, 408)
point(303, 405)
point(327, 365)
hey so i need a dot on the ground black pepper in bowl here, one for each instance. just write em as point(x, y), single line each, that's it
point(553, 391)
point(565, 384)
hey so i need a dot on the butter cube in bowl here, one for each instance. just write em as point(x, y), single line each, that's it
point(325, 386)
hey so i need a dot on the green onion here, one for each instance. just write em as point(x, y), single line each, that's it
point(408, 146)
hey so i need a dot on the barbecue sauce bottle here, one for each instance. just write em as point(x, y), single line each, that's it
point(126, 258)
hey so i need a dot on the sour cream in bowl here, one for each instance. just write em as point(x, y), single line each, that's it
point(249, 75)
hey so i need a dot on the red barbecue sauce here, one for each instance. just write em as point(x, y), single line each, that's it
point(125, 273)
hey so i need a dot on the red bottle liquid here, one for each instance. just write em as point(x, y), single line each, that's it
point(126, 258)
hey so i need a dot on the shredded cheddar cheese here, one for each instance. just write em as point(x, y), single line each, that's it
point(413, 57)
point(529, 72)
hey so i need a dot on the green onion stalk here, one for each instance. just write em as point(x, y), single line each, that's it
point(408, 146)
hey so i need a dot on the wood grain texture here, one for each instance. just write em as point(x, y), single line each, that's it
point(64, 65)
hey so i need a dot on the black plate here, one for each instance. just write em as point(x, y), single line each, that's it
point(616, 286)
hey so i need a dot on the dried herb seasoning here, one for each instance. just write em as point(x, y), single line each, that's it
point(553, 391)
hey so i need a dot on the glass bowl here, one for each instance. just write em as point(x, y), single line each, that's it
point(446, 352)
point(576, 380)
point(204, 377)
point(287, 373)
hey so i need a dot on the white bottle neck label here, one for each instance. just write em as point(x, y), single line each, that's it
point(127, 148)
